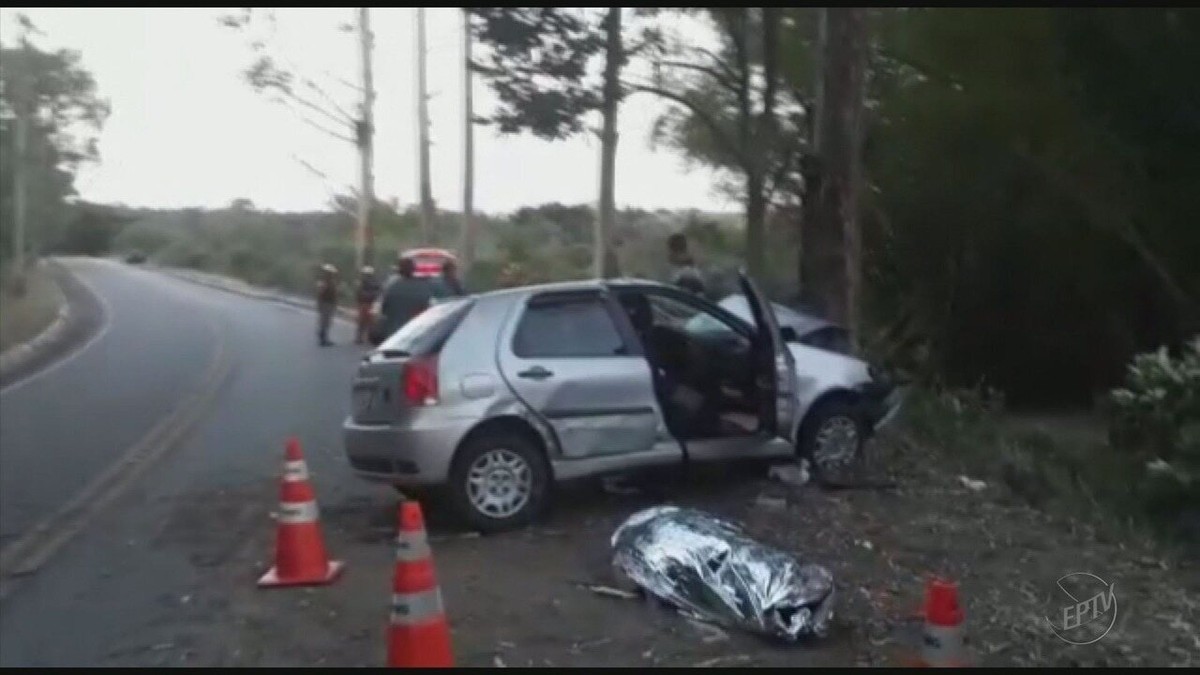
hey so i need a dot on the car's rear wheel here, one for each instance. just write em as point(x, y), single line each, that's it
point(499, 482)
point(832, 438)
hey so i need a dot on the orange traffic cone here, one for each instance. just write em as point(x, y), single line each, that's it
point(943, 644)
point(418, 636)
point(300, 558)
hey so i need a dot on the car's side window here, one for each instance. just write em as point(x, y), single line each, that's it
point(570, 328)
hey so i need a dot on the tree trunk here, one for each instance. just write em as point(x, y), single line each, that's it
point(427, 212)
point(831, 241)
point(467, 252)
point(365, 249)
point(761, 136)
point(603, 256)
point(20, 186)
point(756, 212)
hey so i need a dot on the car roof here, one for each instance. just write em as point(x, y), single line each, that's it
point(574, 285)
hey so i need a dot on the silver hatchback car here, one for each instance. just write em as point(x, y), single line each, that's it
point(496, 397)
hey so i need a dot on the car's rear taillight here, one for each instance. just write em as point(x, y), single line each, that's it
point(420, 381)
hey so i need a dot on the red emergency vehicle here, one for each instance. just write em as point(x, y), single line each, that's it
point(429, 261)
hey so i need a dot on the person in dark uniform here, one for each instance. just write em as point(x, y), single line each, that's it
point(405, 297)
point(684, 272)
point(451, 285)
point(327, 297)
point(365, 296)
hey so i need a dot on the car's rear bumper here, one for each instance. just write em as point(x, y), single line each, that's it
point(401, 456)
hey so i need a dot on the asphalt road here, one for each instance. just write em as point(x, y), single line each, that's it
point(123, 570)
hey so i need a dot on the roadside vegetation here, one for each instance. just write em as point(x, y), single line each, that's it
point(25, 313)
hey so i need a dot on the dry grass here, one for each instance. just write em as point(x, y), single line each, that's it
point(23, 318)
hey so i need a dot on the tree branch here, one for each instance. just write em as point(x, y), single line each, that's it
point(1117, 221)
point(717, 60)
point(328, 99)
point(720, 78)
point(347, 119)
point(922, 69)
point(315, 125)
point(700, 113)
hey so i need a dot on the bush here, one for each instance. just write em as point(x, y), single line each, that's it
point(1156, 418)
point(1157, 412)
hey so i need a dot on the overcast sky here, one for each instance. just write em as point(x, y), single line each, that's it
point(186, 130)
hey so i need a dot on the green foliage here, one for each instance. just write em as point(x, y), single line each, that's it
point(282, 250)
point(59, 97)
point(1156, 414)
point(1155, 420)
point(537, 65)
point(1028, 223)
point(91, 231)
point(731, 111)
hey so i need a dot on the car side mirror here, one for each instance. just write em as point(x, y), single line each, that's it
point(789, 334)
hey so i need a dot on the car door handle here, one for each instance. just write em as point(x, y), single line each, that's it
point(535, 373)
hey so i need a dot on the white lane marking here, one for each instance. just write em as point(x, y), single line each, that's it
point(105, 310)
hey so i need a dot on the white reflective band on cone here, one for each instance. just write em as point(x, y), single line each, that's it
point(413, 608)
point(298, 512)
point(295, 471)
point(411, 547)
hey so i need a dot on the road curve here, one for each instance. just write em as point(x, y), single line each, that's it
point(103, 598)
point(64, 424)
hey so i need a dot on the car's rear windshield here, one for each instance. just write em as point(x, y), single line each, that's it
point(428, 331)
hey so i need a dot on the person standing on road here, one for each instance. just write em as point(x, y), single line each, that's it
point(405, 297)
point(327, 297)
point(451, 285)
point(684, 272)
point(365, 296)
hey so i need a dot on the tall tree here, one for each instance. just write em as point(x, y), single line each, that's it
point(428, 213)
point(731, 112)
point(53, 101)
point(364, 140)
point(538, 67)
point(603, 262)
point(274, 75)
point(470, 227)
point(831, 260)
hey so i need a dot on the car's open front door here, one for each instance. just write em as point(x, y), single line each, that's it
point(775, 366)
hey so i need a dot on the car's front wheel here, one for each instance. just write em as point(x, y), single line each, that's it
point(832, 438)
point(499, 482)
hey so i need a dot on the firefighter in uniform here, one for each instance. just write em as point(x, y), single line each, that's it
point(327, 297)
point(365, 296)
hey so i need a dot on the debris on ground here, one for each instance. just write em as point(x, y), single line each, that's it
point(970, 484)
point(793, 474)
point(618, 485)
point(707, 567)
point(769, 502)
point(609, 591)
point(722, 660)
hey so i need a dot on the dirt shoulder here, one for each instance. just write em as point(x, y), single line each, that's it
point(25, 316)
point(55, 285)
point(519, 599)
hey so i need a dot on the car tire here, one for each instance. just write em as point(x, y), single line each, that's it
point(833, 422)
point(514, 464)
